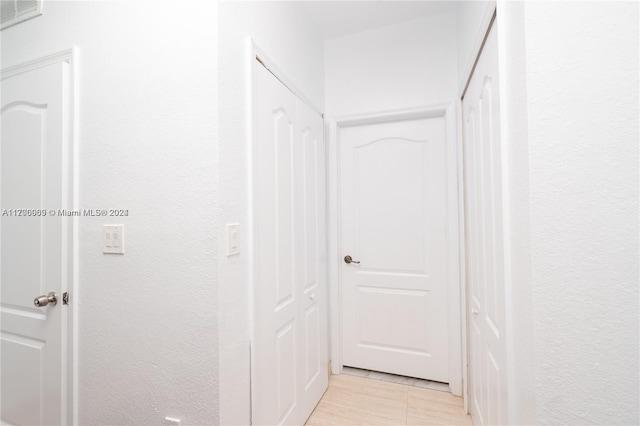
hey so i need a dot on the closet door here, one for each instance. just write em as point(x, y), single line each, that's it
point(311, 278)
point(289, 348)
point(485, 251)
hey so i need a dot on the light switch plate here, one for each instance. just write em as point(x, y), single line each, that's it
point(113, 239)
point(233, 239)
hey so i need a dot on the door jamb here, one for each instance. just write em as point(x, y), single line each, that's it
point(448, 111)
point(70, 199)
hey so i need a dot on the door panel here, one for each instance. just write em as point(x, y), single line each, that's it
point(312, 366)
point(34, 249)
point(484, 246)
point(393, 198)
point(290, 337)
point(275, 295)
point(286, 375)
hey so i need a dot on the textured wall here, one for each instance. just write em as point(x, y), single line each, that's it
point(147, 114)
point(285, 33)
point(406, 65)
point(582, 82)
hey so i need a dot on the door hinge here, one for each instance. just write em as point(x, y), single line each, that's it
point(65, 298)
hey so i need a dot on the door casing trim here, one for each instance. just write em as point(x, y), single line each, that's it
point(332, 132)
point(70, 202)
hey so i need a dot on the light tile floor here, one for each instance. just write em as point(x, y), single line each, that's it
point(353, 400)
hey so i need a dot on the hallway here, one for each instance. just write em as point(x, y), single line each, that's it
point(352, 400)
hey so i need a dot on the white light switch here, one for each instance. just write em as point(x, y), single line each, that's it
point(113, 239)
point(233, 239)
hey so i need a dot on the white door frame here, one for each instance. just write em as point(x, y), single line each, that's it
point(448, 111)
point(69, 202)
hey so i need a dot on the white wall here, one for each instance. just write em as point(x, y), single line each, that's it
point(411, 64)
point(582, 77)
point(285, 33)
point(147, 126)
point(576, 119)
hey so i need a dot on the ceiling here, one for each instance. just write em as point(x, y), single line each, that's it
point(338, 18)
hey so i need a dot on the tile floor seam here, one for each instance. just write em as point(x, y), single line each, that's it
point(406, 409)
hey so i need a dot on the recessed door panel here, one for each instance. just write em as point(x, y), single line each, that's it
point(286, 360)
point(402, 309)
point(311, 238)
point(23, 145)
point(283, 141)
point(312, 346)
point(389, 214)
point(23, 361)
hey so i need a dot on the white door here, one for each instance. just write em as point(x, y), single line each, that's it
point(34, 256)
point(484, 243)
point(290, 324)
point(393, 224)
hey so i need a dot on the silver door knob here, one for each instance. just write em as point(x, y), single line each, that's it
point(474, 312)
point(42, 301)
point(349, 259)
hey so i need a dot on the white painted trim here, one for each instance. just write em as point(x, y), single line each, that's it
point(435, 110)
point(477, 45)
point(251, 222)
point(51, 58)
point(263, 58)
point(463, 258)
point(446, 110)
point(453, 256)
point(75, 205)
point(70, 201)
point(506, 132)
point(333, 247)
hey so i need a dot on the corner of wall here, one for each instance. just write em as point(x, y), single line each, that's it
point(519, 297)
